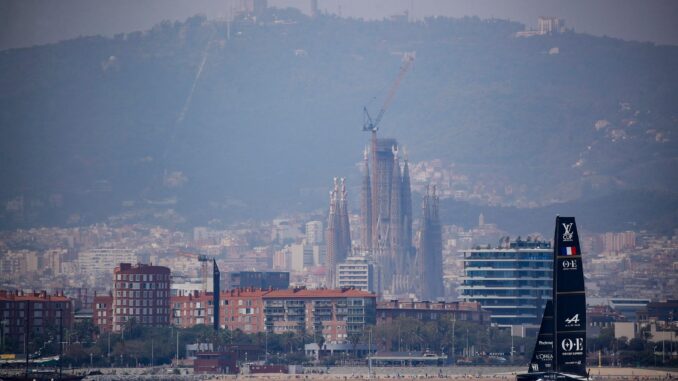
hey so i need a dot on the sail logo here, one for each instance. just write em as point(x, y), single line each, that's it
point(569, 345)
point(573, 321)
point(568, 233)
point(535, 367)
point(544, 357)
point(569, 264)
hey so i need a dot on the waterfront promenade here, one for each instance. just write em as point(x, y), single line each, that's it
point(478, 373)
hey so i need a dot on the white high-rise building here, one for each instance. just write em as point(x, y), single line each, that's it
point(319, 253)
point(301, 256)
point(357, 272)
point(550, 25)
point(104, 260)
point(53, 258)
point(315, 234)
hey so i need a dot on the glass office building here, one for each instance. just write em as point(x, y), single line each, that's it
point(513, 281)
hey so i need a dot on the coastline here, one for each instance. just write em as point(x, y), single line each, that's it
point(479, 373)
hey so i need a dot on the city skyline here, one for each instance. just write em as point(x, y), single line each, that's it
point(165, 198)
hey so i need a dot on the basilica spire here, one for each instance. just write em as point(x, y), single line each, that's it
point(366, 204)
point(430, 254)
point(406, 205)
point(338, 231)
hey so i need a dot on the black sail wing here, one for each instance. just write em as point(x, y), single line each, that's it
point(542, 356)
point(569, 300)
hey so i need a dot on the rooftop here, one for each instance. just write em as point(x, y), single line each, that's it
point(141, 268)
point(319, 293)
point(42, 296)
point(427, 305)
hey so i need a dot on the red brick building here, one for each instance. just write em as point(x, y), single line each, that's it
point(216, 362)
point(37, 310)
point(426, 311)
point(141, 292)
point(102, 312)
point(191, 309)
point(336, 314)
point(239, 309)
point(243, 309)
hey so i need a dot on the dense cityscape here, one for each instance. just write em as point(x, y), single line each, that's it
point(387, 273)
point(325, 280)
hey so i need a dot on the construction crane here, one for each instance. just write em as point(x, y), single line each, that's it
point(372, 125)
point(204, 267)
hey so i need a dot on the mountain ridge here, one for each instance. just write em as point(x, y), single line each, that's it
point(275, 111)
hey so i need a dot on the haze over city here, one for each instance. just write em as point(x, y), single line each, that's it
point(314, 186)
point(32, 22)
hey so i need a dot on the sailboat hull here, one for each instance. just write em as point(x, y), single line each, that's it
point(548, 376)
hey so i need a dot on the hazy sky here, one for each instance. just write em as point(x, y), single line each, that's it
point(30, 22)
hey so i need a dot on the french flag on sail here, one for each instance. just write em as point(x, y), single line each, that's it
point(570, 250)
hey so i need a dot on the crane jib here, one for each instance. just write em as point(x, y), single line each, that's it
point(373, 125)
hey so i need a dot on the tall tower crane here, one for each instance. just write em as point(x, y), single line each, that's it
point(204, 267)
point(379, 207)
point(372, 125)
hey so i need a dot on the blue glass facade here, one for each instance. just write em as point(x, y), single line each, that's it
point(513, 283)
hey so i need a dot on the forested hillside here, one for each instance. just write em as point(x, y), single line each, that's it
point(183, 117)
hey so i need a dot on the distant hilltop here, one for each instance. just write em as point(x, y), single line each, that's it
point(545, 26)
point(248, 117)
